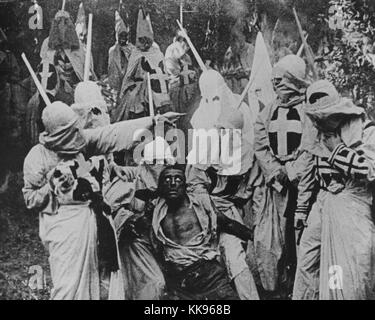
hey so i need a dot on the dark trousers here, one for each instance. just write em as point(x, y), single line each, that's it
point(204, 280)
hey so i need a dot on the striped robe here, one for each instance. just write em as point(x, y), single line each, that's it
point(337, 249)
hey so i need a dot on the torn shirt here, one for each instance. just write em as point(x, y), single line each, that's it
point(202, 246)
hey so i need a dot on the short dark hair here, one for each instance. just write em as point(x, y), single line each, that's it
point(179, 167)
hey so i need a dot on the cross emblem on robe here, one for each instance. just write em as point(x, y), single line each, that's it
point(185, 73)
point(285, 130)
point(162, 78)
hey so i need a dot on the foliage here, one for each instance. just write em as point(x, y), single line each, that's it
point(20, 248)
point(345, 55)
point(342, 34)
point(349, 51)
point(219, 15)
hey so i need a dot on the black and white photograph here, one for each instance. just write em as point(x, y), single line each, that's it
point(187, 150)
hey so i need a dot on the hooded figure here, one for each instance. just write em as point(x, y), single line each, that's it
point(119, 54)
point(145, 34)
point(63, 49)
point(217, 111)
point(62, 35)
point(335, 257)
point(226, 166)
point(145, 58)
point(69, 231)
point(278, 133)
point(182, 76)
point(67, 226)
point(90, 105)
point(92, 110)
point(81, 27)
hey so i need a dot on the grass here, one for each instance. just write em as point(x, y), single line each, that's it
point(21, 248)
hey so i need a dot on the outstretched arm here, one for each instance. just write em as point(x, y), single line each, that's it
point(306, 190)
point(115, 137)
point(227, 225)
point(124, 135)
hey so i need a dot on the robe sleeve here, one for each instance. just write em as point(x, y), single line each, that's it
point(37, 192)
point(306, 186)
point(296, 168)
point(269, 164)
point(116, 137)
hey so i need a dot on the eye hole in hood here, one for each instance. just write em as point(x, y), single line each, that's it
point(316, 96)
point(96, 111)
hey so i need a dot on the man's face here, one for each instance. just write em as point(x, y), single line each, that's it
point(173, 185)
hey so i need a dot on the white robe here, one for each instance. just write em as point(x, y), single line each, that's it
point(69, 230)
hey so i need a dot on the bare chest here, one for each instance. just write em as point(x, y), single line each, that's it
point(182, 225)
